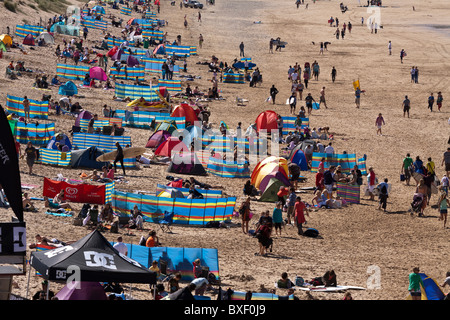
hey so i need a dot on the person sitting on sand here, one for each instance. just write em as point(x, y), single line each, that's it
point(59, 201)
point(284, 282)
point(27, 204)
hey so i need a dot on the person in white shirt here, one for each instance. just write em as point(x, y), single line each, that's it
point(200, 285)
point(329, 149)
point(121, 247)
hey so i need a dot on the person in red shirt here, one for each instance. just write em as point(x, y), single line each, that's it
point(319, 180)
point(300, 211)
point(282, 193)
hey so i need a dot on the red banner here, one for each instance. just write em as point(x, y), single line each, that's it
point(79, 193)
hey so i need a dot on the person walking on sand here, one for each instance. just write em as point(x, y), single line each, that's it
point(378, 123)
point(322, 98)
point(273, 93)
point(333, 74)
point(406, 168)
point(431, 102)
point(443, 203)
point(300, 210)
point(358, 97)
point(406, 106)
point(402, 55)
point(439, 100)
point(200, 41)
point(390, 48)
point(244, 212)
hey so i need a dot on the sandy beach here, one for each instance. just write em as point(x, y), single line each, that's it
point(356, 241)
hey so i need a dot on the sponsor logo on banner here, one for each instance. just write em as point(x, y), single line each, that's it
point(97, 259)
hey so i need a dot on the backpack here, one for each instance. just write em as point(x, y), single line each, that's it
point(383, 189)
point(299, 281)
point(311, 232)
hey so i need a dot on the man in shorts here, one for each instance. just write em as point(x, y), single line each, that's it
point(406, 106)
point(26, 107)
point(322, 98)
point(446, 160)
point(407, 163)
point(291, 205)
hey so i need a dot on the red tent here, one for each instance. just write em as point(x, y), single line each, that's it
point(171, 144)
point(185, 110)
point(267, 120)
point(112, 51)
point(29, 40)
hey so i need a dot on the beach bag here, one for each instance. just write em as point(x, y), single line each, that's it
point(299, 281)
point(78, 221)
point(402, 177)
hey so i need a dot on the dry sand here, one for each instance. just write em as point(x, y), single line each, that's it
point(355, 240)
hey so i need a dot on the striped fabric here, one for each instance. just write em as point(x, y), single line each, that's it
point(185, 191)
point(155, 34)
point(178, 50)
point(289, 124)
point(222, 144)
point(178, 259)
point(112, 42)
point(135, 52)
point(38, 134)
point(38, 109)
point(145, 23)
point(54, 157)
point(233, 78)
point(149, 14)
point(348, 192)
point(94, 23)
point(171, 85)
point(109, 190)
point(23, 30)
point(227, 169)
point(239, 295)
point(346, 161)
point(128, 73)
point(135, 92)
point(362, 165)
point(186, 211)
point(143, 119)
point(103, 142)
point(126, 11)
point(153, 65)
point(71, 72)
point(100, 123)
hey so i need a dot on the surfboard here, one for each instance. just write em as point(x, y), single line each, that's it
point(241, 65)
point(417, 176)
point(127, 153)
point(329, 289)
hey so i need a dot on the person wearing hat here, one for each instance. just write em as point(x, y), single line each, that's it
point(415, 284)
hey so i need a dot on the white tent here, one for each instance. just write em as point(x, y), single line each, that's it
point(47, 37)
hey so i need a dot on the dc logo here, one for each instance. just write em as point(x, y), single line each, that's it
point(60, 274)
point(96, 259)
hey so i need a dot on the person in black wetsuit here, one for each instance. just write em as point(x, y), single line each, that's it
point(119, 158)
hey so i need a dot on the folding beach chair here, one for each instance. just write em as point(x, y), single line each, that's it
point(166, 222)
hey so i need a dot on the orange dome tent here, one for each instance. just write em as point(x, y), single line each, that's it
point(186, 111)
